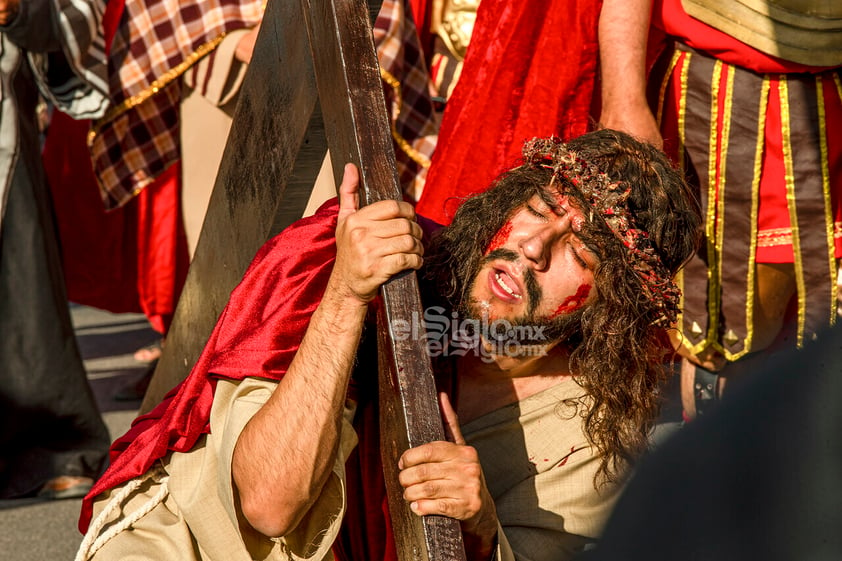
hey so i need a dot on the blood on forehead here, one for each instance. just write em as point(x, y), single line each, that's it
point(500, 238)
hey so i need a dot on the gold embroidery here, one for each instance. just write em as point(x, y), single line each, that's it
point(773, 237)
point(663, 91)
point(682, 110)
point(828, 207)
point(712, 218)
point(404, 144)
point(453, 21)
point(755, 206)
point(725, 136)
point(155, 86)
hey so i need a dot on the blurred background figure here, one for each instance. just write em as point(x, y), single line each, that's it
point(759, 478)
point(129, 221)
point(51, 433)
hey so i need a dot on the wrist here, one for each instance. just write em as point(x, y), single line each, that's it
point(340, 297)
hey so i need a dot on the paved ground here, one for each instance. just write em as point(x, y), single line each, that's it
point(32, 530)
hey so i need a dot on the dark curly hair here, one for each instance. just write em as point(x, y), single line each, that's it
point(617, 355)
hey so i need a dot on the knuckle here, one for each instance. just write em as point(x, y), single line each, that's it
point(405, 227)
point(405, 209)
point(469, 454)
point(392, 207)
point(356, 234)
point(408, 243)
point(445, 507)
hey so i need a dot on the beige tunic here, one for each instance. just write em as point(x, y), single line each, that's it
point(536, 460)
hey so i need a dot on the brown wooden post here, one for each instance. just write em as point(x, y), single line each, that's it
point(270, 163)
point(357, 128)
point(273, 154)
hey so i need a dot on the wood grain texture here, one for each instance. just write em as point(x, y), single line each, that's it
point(274, 151)
point(271, 159)
point(358, 131)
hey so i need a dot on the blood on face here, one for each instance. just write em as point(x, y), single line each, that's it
point(574, 302)
point(500, 238)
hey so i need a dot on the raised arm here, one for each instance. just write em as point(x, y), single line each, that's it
point(623, 32)
point(286, 452)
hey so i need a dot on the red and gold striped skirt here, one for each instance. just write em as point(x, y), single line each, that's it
point(765, 152)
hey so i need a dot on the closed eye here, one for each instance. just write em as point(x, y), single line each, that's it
point(578, 257)
point(534, 212)
point(551, 203)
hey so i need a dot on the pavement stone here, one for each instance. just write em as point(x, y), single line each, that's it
point(36, 530)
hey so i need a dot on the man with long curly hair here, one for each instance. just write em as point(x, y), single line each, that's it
point(551, 293)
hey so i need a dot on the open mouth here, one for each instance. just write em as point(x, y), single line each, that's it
point(504, 286)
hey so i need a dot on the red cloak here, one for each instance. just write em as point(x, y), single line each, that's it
point(530, 70)
point(257, 334)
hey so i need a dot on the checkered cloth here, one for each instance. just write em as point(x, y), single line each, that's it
point(406, 82)
point(157, 40)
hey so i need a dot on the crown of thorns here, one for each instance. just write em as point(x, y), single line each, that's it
point(607, 199)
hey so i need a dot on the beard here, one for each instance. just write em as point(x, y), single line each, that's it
point(529, 329)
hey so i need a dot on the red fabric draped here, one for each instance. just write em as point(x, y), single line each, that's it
point(530, 70)
point(420, 10)
point(257, 335)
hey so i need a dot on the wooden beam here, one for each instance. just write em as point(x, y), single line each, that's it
point(358, 131)
point(274, 151)
point(273, 154)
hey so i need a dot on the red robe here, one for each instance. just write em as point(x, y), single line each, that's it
point(530, 70)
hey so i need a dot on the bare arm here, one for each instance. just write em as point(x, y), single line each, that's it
point(286, 452)
point(623, 32)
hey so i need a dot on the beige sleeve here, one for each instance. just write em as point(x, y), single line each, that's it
point(234, 405)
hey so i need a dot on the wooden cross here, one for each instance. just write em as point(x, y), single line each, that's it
point(303, 93)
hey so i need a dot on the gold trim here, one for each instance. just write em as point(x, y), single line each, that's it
point(789, 178)
point(155, 86)
point(713, 209)
point(773, 237)
point(682, 117)
point(828, 205)
point(682, 112)
point(659, 115)
point(751, 276)
point(720, 211)
point(404, 144)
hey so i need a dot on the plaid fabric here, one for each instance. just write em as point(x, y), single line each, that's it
point(406, 82)
point(156, 42)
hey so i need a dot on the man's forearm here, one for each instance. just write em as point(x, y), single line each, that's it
point(623, 34)
point(287, 451)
